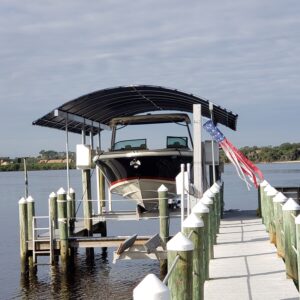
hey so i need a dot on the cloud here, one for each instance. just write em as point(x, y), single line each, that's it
point(240, 54)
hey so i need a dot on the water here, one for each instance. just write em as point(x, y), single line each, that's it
point(103, 279)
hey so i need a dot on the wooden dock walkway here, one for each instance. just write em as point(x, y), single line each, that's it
point(246, 265)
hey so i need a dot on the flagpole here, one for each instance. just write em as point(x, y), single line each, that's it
point(211, 107)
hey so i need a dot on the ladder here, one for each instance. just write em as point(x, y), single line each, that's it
point(36, 238)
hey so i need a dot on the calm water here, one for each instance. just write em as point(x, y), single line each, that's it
point(103, 279)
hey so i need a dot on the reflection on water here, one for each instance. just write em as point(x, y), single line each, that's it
point(102, 279)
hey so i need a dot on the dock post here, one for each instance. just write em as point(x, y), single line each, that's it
point(222, 199)
point(87, 209)
point(53, 209)
point(271, 193)
point(71, 210)
point(297, 221)
point(63, 226)
point(151, 288)
point(261, 200)
point(278, 201)
point(215, 189)
point(23, 234)
point(266, 207)
point(30, 215)
point(100, 190)
point(202, 211)
point(180, 281)
point(193, 228)
point(211, 223)
point(290, 210)
point(163, 223)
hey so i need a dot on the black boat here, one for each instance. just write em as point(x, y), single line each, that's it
point(135, 171)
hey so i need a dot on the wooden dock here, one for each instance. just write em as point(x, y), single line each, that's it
point(246, 265)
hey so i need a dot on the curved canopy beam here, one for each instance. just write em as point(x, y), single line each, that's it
point(95, 110)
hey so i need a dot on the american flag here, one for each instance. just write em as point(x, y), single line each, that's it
point(244, 167)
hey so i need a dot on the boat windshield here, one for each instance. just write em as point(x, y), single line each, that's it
point(130, 144)
point(177, 142)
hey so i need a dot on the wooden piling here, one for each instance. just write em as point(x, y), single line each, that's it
point(87, 204)
point(100, 190)
point(211, 224)
point(53, 209)
point(63, 226)
point(71, 210)
point(271, 193)
point(30, 215)
point(202, 211)
point(23, 234)
point(297, 222)
point(193, 227)
point(261, 201)
point(278, 201)
point(266, 206)
point(180, 281)
point(290, 210)
point(163, 223)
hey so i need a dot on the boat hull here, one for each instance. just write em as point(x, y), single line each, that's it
point(137, 175)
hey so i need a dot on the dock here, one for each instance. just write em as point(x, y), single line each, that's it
point(246, 264)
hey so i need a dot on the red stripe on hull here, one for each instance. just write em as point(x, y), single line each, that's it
point(144, 177)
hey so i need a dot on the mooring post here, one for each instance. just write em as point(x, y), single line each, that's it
point(53, 209)
point(297, 221)
point(215, 189)
point(193, 228)
point(211, 223)
point(202, 211)
point(87, 204)
point(63, 226)
point(266, 207)
point(163, 223)
point(270, 195)
point(290, 210)
point(261, 199)
point(71, 210)
point(100, 190)
point(151, 288)
point(30, 215)
point(222, 199)
point(23, 234)
point(180, 281)
point(278, 201)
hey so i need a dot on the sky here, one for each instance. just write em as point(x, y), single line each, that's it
point(242, 55)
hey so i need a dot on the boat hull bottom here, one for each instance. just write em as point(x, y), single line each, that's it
point(143, 190)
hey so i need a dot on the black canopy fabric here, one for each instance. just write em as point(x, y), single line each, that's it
point(101, 106)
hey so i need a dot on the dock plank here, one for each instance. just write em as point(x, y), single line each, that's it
point(246, 265)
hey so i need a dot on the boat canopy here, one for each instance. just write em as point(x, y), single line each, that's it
point(93, 112)
point(150, 119)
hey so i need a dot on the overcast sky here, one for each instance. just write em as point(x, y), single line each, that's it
point(242, 55)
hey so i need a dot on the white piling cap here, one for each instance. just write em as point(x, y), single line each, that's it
point(192, 221)
point(291, 204)
point(22, 201)
point(61, 191)
point(279, 198)
point(215, 188)
point(71, 191)
point(162, 188)
point(151, 288)
point(264, 183)
point(200, 208)
point(206, 200)
point(272, 192)
point(29, 199)
point(52, 195)
point(209, 193)
point(297, 220)
point(267, 187)
point(180, 243)
point(219, 182)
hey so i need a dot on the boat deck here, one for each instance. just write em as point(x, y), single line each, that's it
point(246, 265)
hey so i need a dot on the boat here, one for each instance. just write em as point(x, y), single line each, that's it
point(134, 170)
